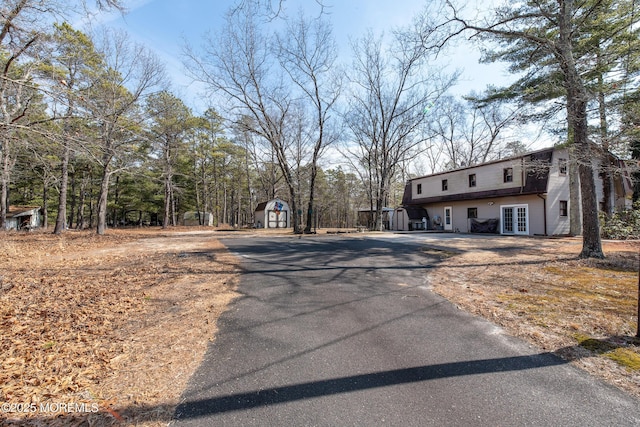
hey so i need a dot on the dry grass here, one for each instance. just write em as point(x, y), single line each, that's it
point(537, 289)
point(117, 323)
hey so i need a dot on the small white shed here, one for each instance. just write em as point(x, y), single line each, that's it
point(273, 214)
point(23, 218)
point(192, 219)
point(408, 218)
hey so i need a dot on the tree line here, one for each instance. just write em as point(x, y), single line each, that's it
point(91, 130)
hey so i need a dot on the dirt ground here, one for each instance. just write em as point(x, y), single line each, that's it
point(106, 330)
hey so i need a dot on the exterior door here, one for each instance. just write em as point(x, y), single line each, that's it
point(277, 219)
point(399, 219)
point(448, 220)
point(515, 219)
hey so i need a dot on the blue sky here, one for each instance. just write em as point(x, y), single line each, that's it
point(165, 26)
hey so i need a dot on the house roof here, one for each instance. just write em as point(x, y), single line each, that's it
point(533, 154)
point(18, 211)
point(535, 183)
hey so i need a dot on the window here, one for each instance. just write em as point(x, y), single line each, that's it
point(564, 208)
point(508, 174)
point(472, 180)
point(445, 184)
point(472, 212)
point(419, 189)
point(562, 166)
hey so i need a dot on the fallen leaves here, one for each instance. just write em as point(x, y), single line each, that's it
point(112, 320)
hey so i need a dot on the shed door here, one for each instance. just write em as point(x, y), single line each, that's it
point(400, 219)
point(277, 219)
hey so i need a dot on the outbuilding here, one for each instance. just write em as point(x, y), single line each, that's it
point(192, 219)
point(23, 218)
point(409, 218)
point(273, 214)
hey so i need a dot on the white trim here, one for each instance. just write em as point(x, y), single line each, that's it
point(516, 230)
point(448, 225)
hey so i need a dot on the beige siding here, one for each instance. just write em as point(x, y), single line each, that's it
point(557, 190)
point(491, 209)
point(488, 177)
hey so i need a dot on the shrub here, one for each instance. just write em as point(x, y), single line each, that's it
point(622, 225)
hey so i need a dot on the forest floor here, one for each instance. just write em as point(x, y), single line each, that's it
point(107, 330)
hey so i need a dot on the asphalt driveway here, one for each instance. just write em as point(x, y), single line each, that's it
point(344, 331)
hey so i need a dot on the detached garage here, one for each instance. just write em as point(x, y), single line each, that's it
point(273, 214)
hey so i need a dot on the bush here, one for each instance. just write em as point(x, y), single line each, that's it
point(622, 225)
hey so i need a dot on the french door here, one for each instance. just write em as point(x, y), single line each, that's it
point(515, 219)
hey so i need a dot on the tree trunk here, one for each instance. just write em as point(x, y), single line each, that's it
point(45, 205)
point(74, 200)
point(295, 218)
point(167, 203)
point(239, 202)
point(591, 243)
point(61, 219)
point(577, 121)
point(310, 207)
point(4, 184)
point(102, 201)
point(224, 208)
point(80, 221)
point(174, 204)
point(606, 166)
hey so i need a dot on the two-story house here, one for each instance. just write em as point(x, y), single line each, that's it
point(523, 195)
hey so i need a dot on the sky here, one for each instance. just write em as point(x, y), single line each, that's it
point(165, 26)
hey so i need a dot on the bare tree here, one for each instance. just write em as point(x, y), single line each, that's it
point(390, 90)
point(308, 53)
point(469, 132)
point(241, 65)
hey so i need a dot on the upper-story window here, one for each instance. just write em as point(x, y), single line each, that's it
point(562, 166)
point(508, 174)
point(472, 180)
point(564, 208)
point(445, 184)
point(419, 188)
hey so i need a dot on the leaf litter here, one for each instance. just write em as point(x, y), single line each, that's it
point(122, 321)
point(106, 330)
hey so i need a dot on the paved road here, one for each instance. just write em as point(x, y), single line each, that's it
point(343, 331)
